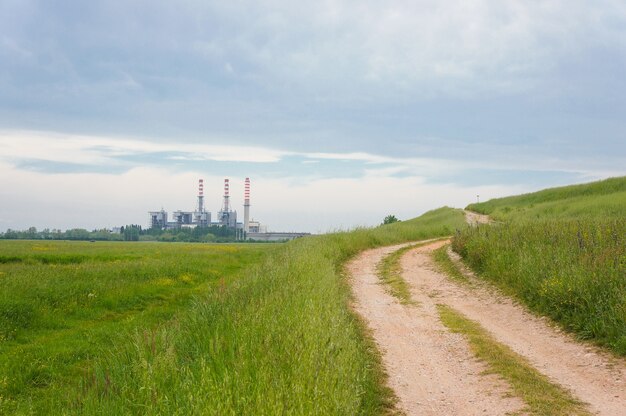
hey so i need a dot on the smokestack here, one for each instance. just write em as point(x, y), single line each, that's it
point(200, 195)
point(226, 197)
point(246, 206)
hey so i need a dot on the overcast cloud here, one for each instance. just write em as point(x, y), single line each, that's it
point(341, 112)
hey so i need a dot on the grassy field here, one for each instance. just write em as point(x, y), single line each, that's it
point(276, 337)
point(65, 304)
point(562, 252)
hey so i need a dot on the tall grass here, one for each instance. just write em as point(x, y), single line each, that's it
point(280, 339)
point(571, 270)
point(62, 304)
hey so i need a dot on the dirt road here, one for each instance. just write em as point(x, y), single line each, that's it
point(432, 370)
point(474, 218)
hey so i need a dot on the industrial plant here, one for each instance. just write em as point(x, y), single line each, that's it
point(226, 217)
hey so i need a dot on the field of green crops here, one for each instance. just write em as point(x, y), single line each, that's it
point(562, 252)
point(147, 329)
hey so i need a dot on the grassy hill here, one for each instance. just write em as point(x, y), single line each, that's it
point(561, 251)
point(600, 199)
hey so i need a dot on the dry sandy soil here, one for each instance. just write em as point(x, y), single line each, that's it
point(433, 371)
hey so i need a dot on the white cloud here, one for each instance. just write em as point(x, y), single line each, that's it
point(57, 147)
point(18, 146)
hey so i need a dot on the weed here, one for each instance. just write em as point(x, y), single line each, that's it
point(447, 266)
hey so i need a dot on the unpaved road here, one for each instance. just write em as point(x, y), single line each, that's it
point(474, 218)
point(432, 370)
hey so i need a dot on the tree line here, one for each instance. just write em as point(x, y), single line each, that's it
point(131, 232)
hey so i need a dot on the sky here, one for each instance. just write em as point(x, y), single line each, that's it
point(340, 112)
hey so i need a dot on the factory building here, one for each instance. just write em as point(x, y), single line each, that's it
point(158, 219)
point(225, 217)
point(200, 217)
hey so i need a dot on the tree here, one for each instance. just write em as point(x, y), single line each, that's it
point(390, 219)
point(131, 232)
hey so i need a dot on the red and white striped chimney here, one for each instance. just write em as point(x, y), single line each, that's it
point(200, 195)
point(246, 206)
point(226, 196)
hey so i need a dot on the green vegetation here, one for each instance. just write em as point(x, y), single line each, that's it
point(274, 338)
point(447, 266)
point(390, 219)
point(572, 271)
point(74, 234)
point(541, 396)
point(562, 252)
point(133, 232)
point(603, 199)
point(64, 304)
point(390, 273)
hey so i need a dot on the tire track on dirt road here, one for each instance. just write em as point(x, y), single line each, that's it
point(432, 370)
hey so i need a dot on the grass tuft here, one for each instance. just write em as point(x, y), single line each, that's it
point(446, 265)
point(390, 274)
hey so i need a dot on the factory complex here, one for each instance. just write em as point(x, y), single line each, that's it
point(226, 217)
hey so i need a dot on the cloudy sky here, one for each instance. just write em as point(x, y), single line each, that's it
point(340, 112)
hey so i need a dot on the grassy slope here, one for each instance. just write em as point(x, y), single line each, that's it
point(561, 251)
point(600, 199)
point(279, 340)
point(63, 303)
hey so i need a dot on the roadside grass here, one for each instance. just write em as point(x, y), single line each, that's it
point(540, 395)
point(146, 329)
point(279, 339)
point(572, 271)
point(562, 252)
point(445, 265)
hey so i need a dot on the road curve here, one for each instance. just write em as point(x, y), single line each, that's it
point(432, 370)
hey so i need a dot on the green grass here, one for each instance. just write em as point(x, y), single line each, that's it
point(602, 199)
point(561, 251)
point(572, 271)
point(540, 395)
point(390, 274)
point(64, 304)
point(447, 266)
point(278, 337)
